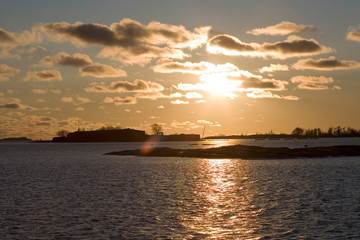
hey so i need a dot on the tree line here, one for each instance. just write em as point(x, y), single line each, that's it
point(156, 129)
point(330, 132)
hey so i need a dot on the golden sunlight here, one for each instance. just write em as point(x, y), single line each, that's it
point(218, 85)
point(223, 193)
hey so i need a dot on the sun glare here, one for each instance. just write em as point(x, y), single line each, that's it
point(220, 87)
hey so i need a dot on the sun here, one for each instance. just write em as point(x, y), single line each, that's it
point(220, 86)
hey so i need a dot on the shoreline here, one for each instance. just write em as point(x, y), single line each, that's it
point(247, 152)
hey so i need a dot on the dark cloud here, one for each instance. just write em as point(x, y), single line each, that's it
point(283, 28)
point(124, 86)
point(129, 40)
point(292, 47)
point(11, 105)
point(6, 71)
point(43, 76)
point(7, 37)
point(14, 103)
point(325, 64)
point(101, 71)
point(42, 124)
point(76, 60)
point(231, 43)
point(257, 83)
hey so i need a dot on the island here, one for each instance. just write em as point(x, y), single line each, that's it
point(121, 135)
point(247, 152)
point(16, 139)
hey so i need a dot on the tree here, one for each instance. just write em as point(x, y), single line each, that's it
point(297, 131)
point(62, 133)
point(156, 129)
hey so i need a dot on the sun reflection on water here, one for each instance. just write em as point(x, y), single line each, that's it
point(222, 199)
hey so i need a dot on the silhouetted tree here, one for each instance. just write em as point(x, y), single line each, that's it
point(62, 133)
point(109, 127)
point(156, 129)
point(297, 131)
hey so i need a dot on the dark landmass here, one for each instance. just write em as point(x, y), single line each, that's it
point(122, 135)
point(331, 132)
point(19, 139)
point(248, 152)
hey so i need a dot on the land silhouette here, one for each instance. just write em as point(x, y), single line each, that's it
point(298, 132)
point(247, 152)
point(110, 134)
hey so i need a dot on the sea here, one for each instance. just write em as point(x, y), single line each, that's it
point(74, 191)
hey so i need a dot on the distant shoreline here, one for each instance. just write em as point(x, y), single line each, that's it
point(247, 152)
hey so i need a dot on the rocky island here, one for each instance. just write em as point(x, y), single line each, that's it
point(248, 152)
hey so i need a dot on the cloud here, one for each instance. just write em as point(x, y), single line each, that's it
point(79, 109)
point(101, 71)
point(43, 76)
point(191, 95)
point(31, 50)
point(39, 91)
point(209, 123)
point(185, 125)
point(312, 82)
point(141, 54)
point(128, 41)
point(178, 101)
point(264, 84)
point(294, 46)
point(82, 99)
point(9, 41)
point(121, 101)
point(67, 99)
point(7, 38)
point(268, 94)
point(6, 71)
point(200, 68)
point(14, 103)
point(325, 64)
point(283, 28)
point(76, 60)
point(353, 34)
point(274, 67)
point(125, 86)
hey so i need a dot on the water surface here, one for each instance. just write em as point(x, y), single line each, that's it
point(72, 191)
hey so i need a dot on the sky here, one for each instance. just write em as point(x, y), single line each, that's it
point(233, 67)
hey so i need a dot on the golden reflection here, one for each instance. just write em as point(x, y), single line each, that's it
point(222, 198)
